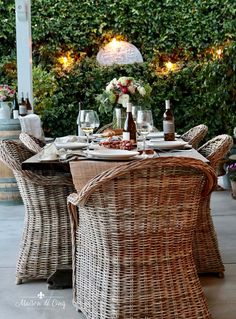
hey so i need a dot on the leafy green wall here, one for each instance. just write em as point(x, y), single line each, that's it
point(186, 32)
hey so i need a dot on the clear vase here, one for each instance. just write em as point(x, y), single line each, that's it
point(119, 116)
point(5, 110)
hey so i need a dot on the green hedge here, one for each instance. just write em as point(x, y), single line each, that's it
point(182, 31)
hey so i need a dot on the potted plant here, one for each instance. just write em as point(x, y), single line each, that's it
point(6, 98)
point(231, 171)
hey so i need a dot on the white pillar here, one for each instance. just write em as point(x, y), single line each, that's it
point(24, 48)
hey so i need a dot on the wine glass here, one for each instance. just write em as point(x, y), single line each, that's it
point(87, 121)
point(144, 124)
point(97, 122)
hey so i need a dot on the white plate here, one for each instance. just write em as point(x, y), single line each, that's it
point(232, 157)
point(158, 135)
point(111, 154)
point(167, 144)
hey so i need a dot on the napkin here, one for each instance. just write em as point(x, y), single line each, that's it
point(31, 124)
point(67, 139)
point(49, 153)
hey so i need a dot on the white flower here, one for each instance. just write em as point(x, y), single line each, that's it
point(124, 80)
point(131, 89)
point(141, 90)
point(123, 99)
point(111, 85)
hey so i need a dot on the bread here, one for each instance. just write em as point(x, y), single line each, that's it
point(112, 132)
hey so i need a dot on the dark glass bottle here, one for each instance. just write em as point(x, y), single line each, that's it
point(168, 123)
point(22, 106)
point(28, 105)
point(129, 131)
point(15, 108)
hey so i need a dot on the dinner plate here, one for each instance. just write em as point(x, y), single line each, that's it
point(111, 154)
point(166, 144)
point(158, 135)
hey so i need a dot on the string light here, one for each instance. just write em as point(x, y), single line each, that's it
point(170, 66)
point(219, 53)
point(66, 61)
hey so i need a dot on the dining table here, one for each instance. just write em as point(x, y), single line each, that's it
point(85, 168)
point(37, 163)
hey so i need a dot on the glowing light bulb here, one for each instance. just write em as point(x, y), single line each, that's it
point(219, 53)
point(114, 43)
point(169, 65)
point(66, 61)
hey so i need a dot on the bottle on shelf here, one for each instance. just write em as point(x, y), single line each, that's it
point(15, 108)
point(28, 104)
point(129, 131)
point(22, 106)
point(168, 123)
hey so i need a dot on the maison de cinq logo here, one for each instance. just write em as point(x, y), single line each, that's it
point(41, 300)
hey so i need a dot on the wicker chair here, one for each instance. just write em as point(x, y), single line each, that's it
point(206, 251)
point(32, 143)
point(46, 240)
point(195, 135)
point(132, 246)
point(216, 149)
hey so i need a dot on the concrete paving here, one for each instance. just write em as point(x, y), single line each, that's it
point(34, 300)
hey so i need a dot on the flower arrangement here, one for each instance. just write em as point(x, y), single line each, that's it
point(122, 91)
point(231, 171)
point(6, 93)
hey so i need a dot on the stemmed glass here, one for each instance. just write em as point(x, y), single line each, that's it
point(144, 124)
point(87, 121)
point(97, 121)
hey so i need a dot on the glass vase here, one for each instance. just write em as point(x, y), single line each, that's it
point(119, 116)
point(5, 110)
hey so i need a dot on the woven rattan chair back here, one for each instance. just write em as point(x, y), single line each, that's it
point(133, 243)
point(32, 143)
point(195, 135)
point(216, 149)
point(46, 240)
point(206, 249)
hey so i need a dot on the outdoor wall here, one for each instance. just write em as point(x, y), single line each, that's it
point(198, 37)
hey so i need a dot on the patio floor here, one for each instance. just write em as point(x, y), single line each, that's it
point(34, 300)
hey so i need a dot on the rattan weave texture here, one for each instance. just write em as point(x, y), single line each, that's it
point(46, 240)
point(216, 149)
point(132, 240)
point(195, 135)
point(206, 249)
point(32, 143)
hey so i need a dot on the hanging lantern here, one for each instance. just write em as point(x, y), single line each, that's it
point(119, 52)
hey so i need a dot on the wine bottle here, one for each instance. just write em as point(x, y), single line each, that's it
point(15, 108)
point(28, 105)
point(129, 131)
point(22, 106)
point(168, 123)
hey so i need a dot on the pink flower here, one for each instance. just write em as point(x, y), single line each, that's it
point(6, 93)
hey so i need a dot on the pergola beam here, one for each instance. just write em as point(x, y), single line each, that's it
point(24, 48)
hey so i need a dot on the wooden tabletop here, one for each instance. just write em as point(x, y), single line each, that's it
point(35, 163)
